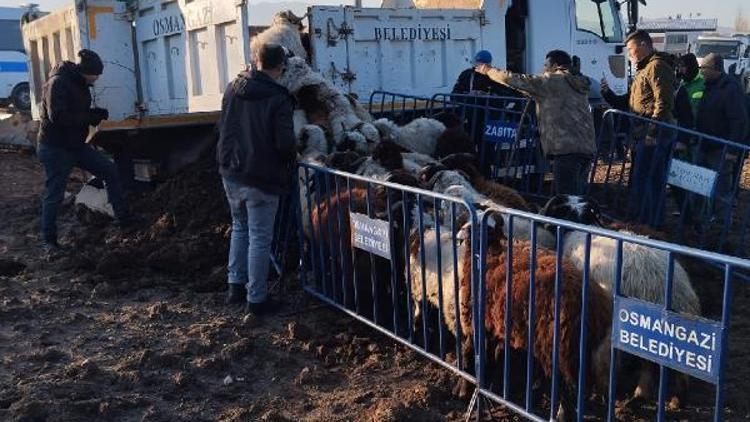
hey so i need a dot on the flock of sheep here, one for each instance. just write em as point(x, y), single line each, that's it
point(433, 266)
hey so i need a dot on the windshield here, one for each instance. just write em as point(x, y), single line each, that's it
point(727, 50)
point(599, 17)
point(11, 39)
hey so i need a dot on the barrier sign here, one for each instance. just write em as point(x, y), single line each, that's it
point(500, 131)
point(689, 345)
point(691, 177)
point(370, 235)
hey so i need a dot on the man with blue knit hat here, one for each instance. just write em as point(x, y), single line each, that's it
point(473, 83)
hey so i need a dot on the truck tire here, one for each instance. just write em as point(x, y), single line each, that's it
point(21, 97)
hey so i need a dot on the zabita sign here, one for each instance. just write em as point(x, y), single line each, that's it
point(500, 131)
point(691, 177)
point(370, 235)
point(689, 345)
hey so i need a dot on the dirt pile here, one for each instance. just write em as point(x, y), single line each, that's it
point(185, 233)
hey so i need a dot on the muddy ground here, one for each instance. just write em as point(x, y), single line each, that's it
point(132, 326)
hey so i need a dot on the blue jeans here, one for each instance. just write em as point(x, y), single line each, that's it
point(58, 163)
point(253, 215)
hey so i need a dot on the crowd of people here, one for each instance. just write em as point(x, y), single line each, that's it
point(673, 90)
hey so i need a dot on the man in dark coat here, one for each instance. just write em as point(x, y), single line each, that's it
point(721, 113)
point(66, 115)
point(256, 154)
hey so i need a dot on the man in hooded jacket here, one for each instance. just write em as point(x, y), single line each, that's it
point(565, 120)
point(256, 154)
point(66, 115)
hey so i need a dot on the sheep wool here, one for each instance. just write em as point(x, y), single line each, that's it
point(283, 32)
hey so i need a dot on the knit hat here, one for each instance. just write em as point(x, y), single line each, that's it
point(89, 63)
point(713, 61)
point(483, 56)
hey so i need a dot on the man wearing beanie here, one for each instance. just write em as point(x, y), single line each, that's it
point(474, 83)
point(66, 115)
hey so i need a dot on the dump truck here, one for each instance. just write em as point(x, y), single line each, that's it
point(167, 62)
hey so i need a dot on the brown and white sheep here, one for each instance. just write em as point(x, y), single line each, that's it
point(598, 321)
point(285, 31)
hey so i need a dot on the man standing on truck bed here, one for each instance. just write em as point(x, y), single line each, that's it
point(565, 120)
point(256, 154)
point(66, 115)
point(651, 95)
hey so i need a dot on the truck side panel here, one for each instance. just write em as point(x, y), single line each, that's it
point(416, 51)
point(189, 51)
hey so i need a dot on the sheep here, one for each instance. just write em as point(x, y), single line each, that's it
point(330, 222)
point(312, 142)
point(455, 139)
point(498, 193)
point(284, 31)
point(644, 269)
point(495, 282)
point(321, 100)
point(420, 135)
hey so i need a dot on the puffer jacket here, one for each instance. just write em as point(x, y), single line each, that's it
point(65, 111)
point(722, 112)
point(256, 134)
point(562, 107)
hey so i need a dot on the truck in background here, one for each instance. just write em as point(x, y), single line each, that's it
point(14, 74)
point(167, 62)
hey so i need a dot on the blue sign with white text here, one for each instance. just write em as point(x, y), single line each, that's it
point(500, 131)
point(685, 344)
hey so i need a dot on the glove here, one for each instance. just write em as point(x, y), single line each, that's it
point(101, 113)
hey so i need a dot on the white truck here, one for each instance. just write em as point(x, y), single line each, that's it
point(14, 74)
point(167, 62)
point(734, 50)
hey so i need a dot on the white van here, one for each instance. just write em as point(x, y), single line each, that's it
point(14, 73)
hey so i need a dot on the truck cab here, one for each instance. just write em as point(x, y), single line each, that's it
point(14, 75)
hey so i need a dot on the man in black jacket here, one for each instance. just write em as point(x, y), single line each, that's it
point(721, 113)
point(256, 155)
point(66, 116)
point(472, 82)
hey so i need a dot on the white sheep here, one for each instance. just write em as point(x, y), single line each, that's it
point(284, 31)
point(420, 135)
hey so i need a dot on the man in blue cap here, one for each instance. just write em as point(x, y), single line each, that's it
point(474, 83)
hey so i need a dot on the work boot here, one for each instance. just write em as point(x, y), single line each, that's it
point(235, 294)
point(267, 307)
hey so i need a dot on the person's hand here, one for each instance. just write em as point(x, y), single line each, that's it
point(482, 68)
point(101, 113)
point(604, 84)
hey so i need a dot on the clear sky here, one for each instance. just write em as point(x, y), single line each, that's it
point(725, 10)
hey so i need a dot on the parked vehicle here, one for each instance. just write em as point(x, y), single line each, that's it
point(14, 82)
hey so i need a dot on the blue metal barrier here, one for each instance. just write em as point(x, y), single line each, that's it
point(381, 253)
point(401, 108)
point(507, 137)
point(688, 174)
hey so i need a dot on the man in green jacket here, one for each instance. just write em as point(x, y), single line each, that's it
point(565, 120)
point(651, 95)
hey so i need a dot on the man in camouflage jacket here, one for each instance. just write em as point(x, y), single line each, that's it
point(565, 120)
